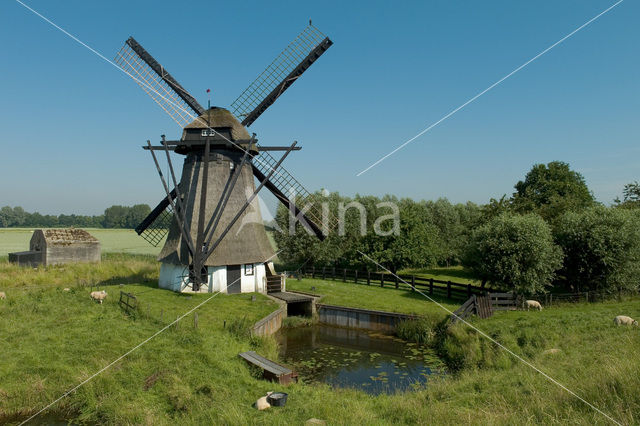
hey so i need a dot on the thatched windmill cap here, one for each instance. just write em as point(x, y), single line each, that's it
point(220, 118)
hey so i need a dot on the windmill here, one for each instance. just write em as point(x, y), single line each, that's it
point(213, 242)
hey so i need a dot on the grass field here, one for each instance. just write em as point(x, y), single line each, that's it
point(51, 340)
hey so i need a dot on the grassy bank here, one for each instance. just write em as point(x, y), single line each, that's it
point(52, 340)
point(371, 296)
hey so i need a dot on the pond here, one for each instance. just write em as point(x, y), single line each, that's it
point(343, 357)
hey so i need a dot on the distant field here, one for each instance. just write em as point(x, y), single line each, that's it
point(112, 240)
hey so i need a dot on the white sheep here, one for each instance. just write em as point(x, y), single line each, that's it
point(625, 320)
point(66, 289)
point(262, 404)
point(532, 304)
point(99, 295)
point(2, 295)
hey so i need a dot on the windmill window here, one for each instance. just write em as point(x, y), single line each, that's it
point(248, 269)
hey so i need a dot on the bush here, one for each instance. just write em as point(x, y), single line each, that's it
point(423, 330)
point(602, 249)
point(515, 252)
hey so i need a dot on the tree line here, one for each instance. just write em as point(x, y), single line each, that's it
point(550, 232)
point(113, 217)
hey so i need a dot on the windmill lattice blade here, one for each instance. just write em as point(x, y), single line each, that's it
point(280, 74)
point(156, 232)
point(286, 185)
point(155, 227)
point(158, 83)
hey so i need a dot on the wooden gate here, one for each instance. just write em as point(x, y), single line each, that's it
point(483, 307)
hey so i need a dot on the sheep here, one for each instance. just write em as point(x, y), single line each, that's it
point(261, 403)
point(3, 295)
point(99, 295)
point(532, 304)
point(625, 320)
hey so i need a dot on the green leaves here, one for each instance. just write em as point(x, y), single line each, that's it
point(551, 190)
point(602, 249)
point(516, 252)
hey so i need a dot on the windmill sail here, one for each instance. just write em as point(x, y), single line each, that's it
point(280, 74)
point(284, 183)
point(155, 227)
point(158, 83)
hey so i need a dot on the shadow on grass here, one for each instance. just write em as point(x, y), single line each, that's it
point(442, 273)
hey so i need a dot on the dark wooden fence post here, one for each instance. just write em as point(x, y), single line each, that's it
point(323, 273)
point(431, 286)
point(313, 272)
point(344, 275)
point(413, 283)
point(381, 279)
point(448, 289)
point(333, 272)
point(368, 277)
point(396, 278)
point(355, 276)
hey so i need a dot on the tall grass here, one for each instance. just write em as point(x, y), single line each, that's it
point(115, 268)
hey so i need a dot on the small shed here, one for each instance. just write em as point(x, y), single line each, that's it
point(56, 246)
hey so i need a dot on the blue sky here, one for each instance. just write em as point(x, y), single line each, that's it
point(72, 126)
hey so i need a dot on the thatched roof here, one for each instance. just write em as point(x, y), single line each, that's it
point(247, 241)
point(219, 118)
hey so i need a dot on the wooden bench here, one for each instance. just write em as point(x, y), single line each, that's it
point(270, 370)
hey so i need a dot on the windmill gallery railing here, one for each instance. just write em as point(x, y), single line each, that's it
point(431, 286)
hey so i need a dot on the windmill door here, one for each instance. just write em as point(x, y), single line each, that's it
point(233, 279)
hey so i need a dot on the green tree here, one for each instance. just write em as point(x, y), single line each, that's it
point(115, 217)
point(551, 190)
point(495, 208)
point(602, 249)
point(413, 246)
point(136, 214)
point(631, 196)
point(516, 252)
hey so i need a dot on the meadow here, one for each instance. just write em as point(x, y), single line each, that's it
point(52, 340)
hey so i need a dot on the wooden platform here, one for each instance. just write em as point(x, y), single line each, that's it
point(291, 297)
point(271, 370)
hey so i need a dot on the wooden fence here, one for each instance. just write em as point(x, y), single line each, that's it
point(128, 301)
point(484, 305)
point(431, 286)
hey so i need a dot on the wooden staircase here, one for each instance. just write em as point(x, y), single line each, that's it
point(275, 281)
